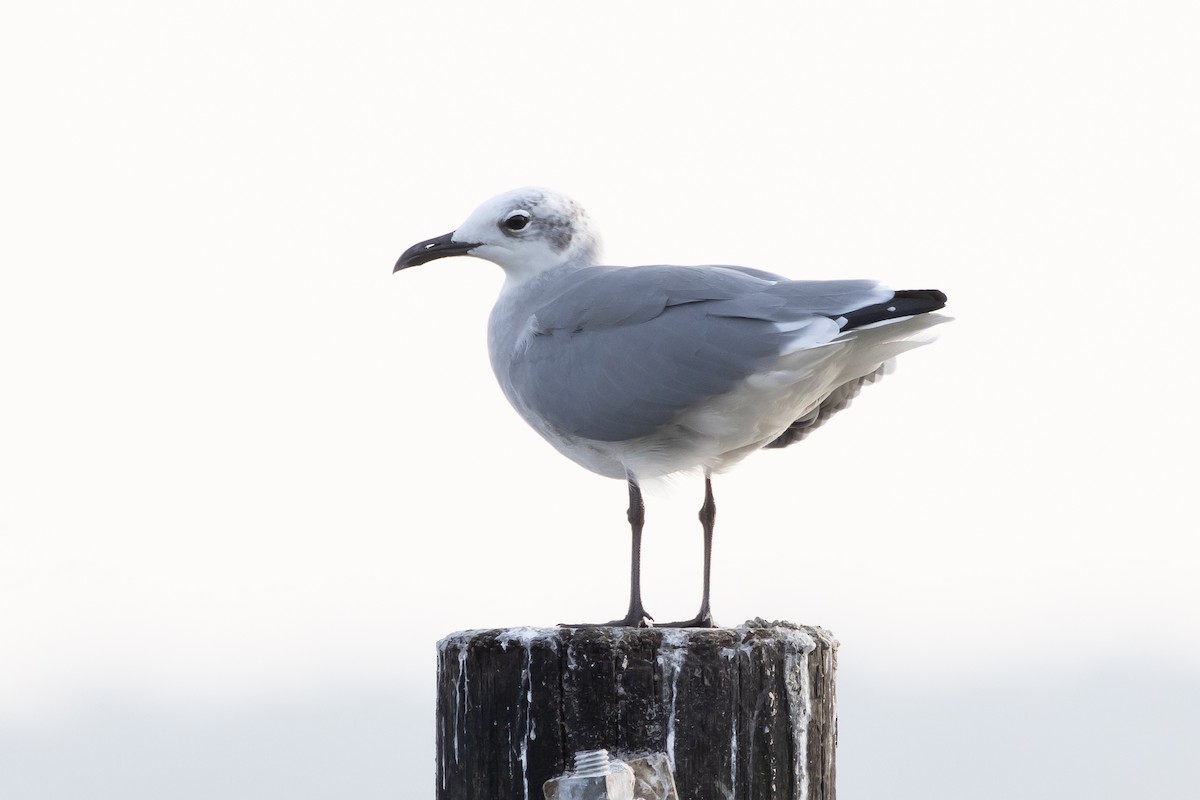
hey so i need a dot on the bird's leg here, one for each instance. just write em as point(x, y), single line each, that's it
point(636, 617)
point(708, 518)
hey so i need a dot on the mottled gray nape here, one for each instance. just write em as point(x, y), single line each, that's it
point(559, 230)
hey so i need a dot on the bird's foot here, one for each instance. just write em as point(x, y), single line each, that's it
point(636, 618)
point(702, 620)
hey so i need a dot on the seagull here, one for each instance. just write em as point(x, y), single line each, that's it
point(637, 373)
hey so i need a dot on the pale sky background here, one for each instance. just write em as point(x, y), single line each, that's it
point(248, 477)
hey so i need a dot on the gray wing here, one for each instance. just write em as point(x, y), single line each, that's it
point(621, 352)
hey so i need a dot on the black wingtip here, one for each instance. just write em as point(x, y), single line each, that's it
point(933, 294)
point(905, 303)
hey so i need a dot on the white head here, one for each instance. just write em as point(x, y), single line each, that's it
point(526, 231)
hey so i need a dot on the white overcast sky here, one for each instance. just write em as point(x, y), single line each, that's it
point(246, 473)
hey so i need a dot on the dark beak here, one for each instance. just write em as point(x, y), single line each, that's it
point(428, 250)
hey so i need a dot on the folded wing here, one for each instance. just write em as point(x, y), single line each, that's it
point(623, 351)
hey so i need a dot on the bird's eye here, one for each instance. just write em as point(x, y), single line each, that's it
point(517, 220)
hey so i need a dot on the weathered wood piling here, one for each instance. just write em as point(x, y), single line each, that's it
point(742, 713)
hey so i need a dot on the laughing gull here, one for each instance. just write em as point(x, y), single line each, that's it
point(639, 372)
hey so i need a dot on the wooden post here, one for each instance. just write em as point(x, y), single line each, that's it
point(742, 713)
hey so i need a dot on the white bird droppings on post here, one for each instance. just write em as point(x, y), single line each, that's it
point(671, 656)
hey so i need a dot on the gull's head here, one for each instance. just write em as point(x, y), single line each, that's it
point(526, 231)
